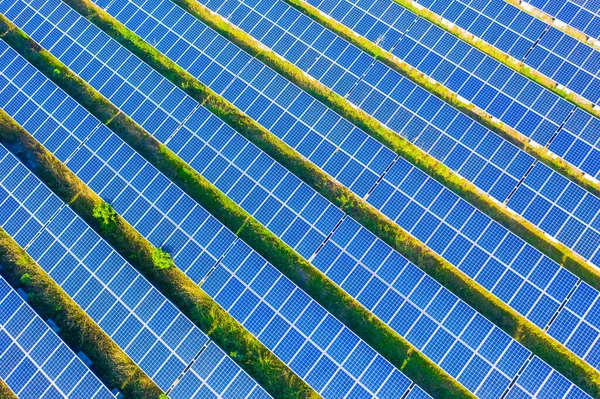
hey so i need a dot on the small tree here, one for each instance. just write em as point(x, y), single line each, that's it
point(161, 259)
point(106, 216)
point(163, 396)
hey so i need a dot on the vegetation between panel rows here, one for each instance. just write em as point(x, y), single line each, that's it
point(517, 224)
point(80, 332)
point(568, 29)
point(318, 286)
point(263, 366)
point(280, 255)
point(511, 135)
point(154, 264)
point(468, 191)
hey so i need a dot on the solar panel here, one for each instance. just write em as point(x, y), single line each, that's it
point(357, 163)
point(161, 340)
point(155, 83)
point(313, 343)
point(505, 94)
point(581, 15)
point(214, 375)
point(469, 347)
point(484, 147)
point(34, 361)
point(104, 162)
point(496, 179)
point(570, 62)
point(149, 329)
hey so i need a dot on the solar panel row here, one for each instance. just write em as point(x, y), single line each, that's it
point(34, 362)
point(507, 95)
point(256, 78)
point(509, 277)
point(519, 285)
point(486, 177)
point(417, 119)
point(172, 220)
point(316, 346)
point(428, 316)
point(557, 55)
point(138, 318)
point(478, 359)
point(150, 330)
point(583, 15)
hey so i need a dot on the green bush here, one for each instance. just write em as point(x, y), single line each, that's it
point(106, 216)
point(25, 278)
point(162, 259)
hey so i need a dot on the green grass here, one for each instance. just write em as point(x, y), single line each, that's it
point(503, 57)
point(479, 115)
point(5, 392)
point(77, 329)
point(190, 299)
point(318, 286)
point(177, 287)
point(317, 179)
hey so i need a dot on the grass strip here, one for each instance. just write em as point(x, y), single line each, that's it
point(77, 329)
point(304, 169)
point(564, 27)
point(302, 273)
point(506, 132)
point(246, 350)
point(314, 176)
point(192, 300)
point(441, 173)
point(501, 56)
point(5, 391)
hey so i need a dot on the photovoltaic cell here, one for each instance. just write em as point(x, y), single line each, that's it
point(314, 344)
point(517, 101)
point(34, 361)
point(103, 150)
point(570, 62)
point(149, 329)
point(583, 15)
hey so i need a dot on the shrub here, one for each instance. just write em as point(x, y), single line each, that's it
point(162, 259)
point(106, 216)
point(25, 278)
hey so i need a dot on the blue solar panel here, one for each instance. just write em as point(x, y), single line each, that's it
point(498, 178)
point(515, 100)
point(34, 362)
point(155, 82)
point(155, 335)
point(135, 188)
point(467, 378)
point(568, 61)
point(315, 345)
point(128, 308)
point(583, 15)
